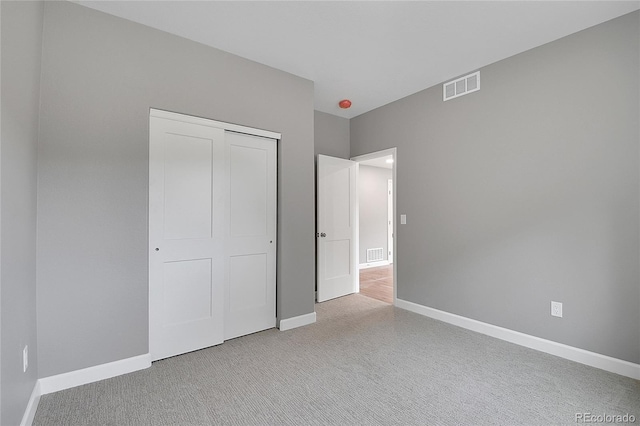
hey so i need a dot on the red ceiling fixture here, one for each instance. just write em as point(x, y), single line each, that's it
point(344, 104)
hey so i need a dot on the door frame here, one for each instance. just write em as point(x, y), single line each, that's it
point(390, 218)
point(168, 115)
point(370, 156)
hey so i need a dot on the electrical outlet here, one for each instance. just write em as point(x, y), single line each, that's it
point(25, 359)
point(556, 309)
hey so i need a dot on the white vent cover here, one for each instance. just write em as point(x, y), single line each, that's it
point(375, 255)
point(461, 86)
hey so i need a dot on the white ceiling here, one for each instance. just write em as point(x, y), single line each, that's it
point(370, 52)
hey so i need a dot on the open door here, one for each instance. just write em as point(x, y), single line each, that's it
point(336, 227)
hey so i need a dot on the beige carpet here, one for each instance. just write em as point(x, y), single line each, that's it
point(363, 363)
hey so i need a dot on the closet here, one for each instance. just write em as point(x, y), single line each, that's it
point(212, 232)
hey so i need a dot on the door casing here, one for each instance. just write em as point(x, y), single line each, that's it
point(390, 221)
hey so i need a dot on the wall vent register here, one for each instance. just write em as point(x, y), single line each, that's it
point(375, 255)
point(461, 86)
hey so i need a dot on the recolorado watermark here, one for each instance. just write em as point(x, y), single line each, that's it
point(605, 418)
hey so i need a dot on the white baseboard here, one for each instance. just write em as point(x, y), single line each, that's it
point(295, 322)
point(603, 362)
point(373, 264)
point(32, 406)
point(93, 374)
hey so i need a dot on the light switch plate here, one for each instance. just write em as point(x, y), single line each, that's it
point(403, 219)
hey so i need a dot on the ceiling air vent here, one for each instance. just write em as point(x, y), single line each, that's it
point(461, 86)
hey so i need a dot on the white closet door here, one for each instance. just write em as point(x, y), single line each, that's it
point(187, 198)
point(250, 288)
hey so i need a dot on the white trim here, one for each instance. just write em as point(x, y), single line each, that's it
point(377, 154)
point(32, 406)
point(373, 264)
point(93, 374)
point(212, 123)
point(295, 322)
point(356, 233)
point(607, 363)
point(390, 221)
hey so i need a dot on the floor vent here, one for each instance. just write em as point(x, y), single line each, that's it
point(461, 86)
point(375, 255)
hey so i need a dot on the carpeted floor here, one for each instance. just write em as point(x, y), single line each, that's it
point(363, 363)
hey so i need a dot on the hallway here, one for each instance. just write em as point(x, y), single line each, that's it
point(377, 283)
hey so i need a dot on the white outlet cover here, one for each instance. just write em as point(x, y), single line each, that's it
point(556, 309)
point(403, 219)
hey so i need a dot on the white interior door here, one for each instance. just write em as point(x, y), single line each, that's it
point(250, 303)
point(186, 237)
point(336, 227)
point(390, 220)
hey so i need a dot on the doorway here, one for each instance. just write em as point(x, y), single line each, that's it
point(376, 225)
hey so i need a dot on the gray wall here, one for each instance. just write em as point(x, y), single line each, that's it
point(331, 135)
point(372, 202)
point(21, 53)
point(101, 74)
point(526, 191)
